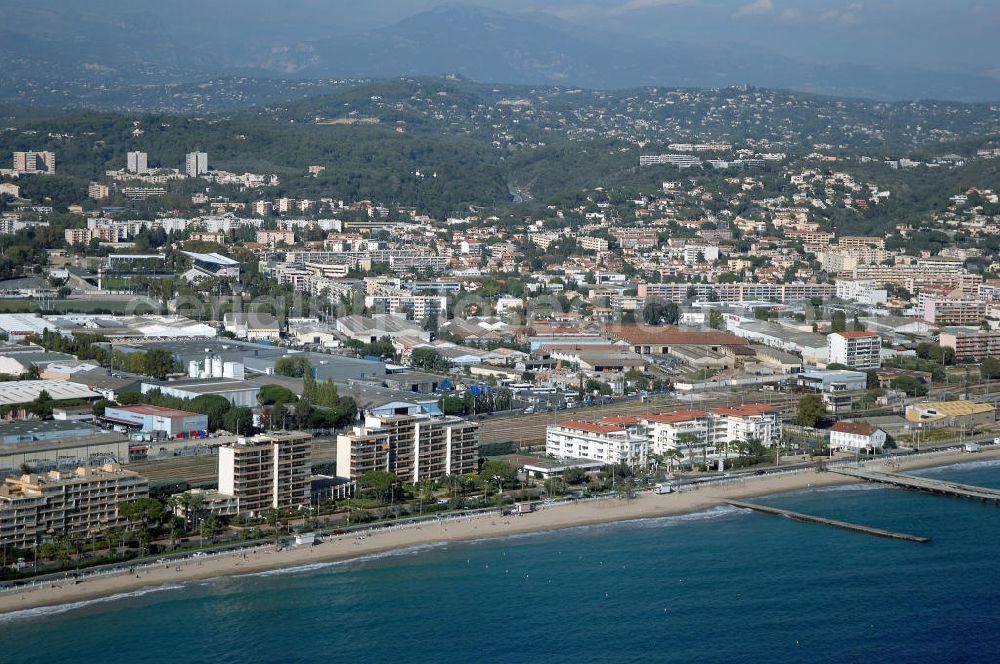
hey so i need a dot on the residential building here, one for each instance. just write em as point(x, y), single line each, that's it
point(272, 238)
point(598, 244)
point(948, 311)
point(136, 162)
point(195, 164)
point(601, 441)
point(413, 447)
point(29, 162)
point(858, 350)
point(970, 343)
point(266, 472)
point(754, 421)
point(862, 291)
point(98, 192)
point(35, 507)
point(856, 437)
point(678, 430)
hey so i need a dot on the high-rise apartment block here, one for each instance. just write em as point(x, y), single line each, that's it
point(137, 162)
point(266, 472)
point(196, 163)
point(27, 163)
point(858, 350)
point(34, 508)
point(98, 191)
point(413, 447)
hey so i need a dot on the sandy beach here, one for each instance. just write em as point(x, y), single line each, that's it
point(353, 545)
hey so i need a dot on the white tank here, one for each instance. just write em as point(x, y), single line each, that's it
point(193, 369)
point(216, 367)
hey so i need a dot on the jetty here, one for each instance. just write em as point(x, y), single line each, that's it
point(939, 487)
point(843, 525)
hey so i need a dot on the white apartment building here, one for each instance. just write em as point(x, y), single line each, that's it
point(677, 430)
point(863, 291)
point(600, 441)
point(749, 422)
point(136, 162)
point(857, 350)
point(195, 164)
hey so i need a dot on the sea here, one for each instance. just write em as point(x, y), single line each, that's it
point(723, 585)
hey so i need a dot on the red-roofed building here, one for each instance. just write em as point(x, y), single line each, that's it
point(856, 436)
point(154, 419)
point(679, 430)
point(621, 442)
point(748, 422)
point(857, 350)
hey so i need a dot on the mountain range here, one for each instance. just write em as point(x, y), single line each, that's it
point(49, 49)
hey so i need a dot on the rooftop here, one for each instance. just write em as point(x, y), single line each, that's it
point(214, 258)
point(146, 409)
point(591, 427)
point(854, 335)
point(856, 428)
point(23, 391)
point(668, 335)
point(747, 410)
point(676, 416)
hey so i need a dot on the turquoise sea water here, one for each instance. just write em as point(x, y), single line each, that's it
point(721, 586)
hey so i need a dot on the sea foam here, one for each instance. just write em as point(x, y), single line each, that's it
point(56, 609)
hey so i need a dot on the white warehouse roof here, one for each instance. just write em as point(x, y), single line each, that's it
point(218, 259)
point(23, 391)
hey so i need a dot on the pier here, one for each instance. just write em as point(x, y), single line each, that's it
point(843, 525)
point(939, 487)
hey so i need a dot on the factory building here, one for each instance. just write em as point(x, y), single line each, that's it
point(154, 419)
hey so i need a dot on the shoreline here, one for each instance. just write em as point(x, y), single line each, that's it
point(152, 576)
